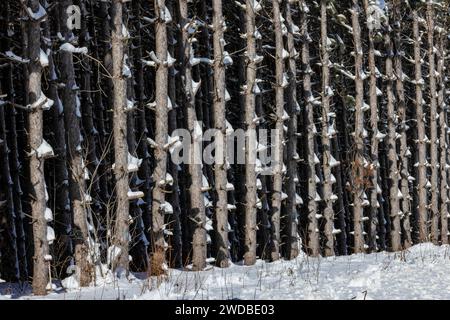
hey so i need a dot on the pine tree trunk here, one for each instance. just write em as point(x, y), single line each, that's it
point(220, 170)
point(250, 147)
point(327, 184)
point(35, 138)
point(358, 161)
point(420, 117)
point(292, 158)
point(433, 126)
point(373, 102)
point(443, 139)
point(77, 186)
point(197, 210)
point(312, 242)
point(404, 150)
point(395, 234)
point(277, 156)
point(63, 215)
point(161, 128)
point(121, 228)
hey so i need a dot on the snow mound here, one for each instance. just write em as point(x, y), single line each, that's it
point(421, 272)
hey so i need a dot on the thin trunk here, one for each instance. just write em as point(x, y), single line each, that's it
point(220, 169)
point(250, 127)
point(326, 126)
point(433, 126)
point(443, 139)
point(77, 186)
point(358, 161)
point(35, 139)
point(312, 242)
point(121, 228)
point(420, 118)
point(292, 248)
point(373, 102)
point(404, 150)
point(395, 234)
point(161, 133)
point(277, 156)
point(63, 215)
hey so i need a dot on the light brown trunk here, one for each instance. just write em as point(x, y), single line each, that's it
point(395, 234)
point(373, 102)
point(422, 170)
point(35, 138)
point(443, 140)
point(195, 169)
point(433, 127)
point(220, 170)
point(312, 242)
point(292, 249)
point(401, 103)
point(250, 156)
point(161, 133)
point(277, 156)
point(358, 169)
point(77, 186)
point(121, 232)
point(327, 184)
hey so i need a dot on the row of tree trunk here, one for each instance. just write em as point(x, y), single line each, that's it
point(92, 93)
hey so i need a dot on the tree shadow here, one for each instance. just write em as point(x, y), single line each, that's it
point(15, 290)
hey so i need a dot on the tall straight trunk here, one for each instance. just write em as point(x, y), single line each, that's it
point(63, 215)
point(327, 183)
point(443, 139)
point(312, 242)
point(292, 248)
point(358, 161)
point(121, 228)
point(220, 171)
point(197, 210)
point(421, 167)
point(250, 127)
point(373, 102)
point(77, 186)
point(35, 139)
point(161, 134)
point(433, 125)
point(277, 156)
point(404, 151)
point(395, 234)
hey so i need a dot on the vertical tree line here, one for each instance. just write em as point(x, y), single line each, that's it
point(348, 99)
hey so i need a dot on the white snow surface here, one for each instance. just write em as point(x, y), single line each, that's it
point(421, 272)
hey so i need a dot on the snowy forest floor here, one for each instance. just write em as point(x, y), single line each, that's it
point(421, 272)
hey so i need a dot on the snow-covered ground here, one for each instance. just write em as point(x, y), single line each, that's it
point(422, 272)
